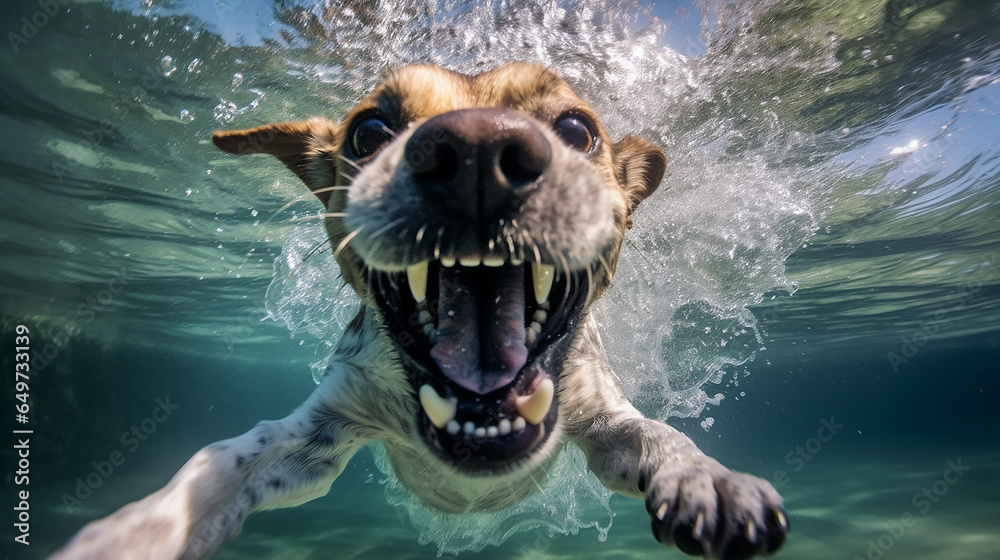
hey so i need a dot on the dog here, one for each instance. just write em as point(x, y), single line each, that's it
point(478, 217)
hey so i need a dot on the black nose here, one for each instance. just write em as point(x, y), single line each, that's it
point(476, 162)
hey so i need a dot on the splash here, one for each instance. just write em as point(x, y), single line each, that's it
point(307, 293)
point(569, 499)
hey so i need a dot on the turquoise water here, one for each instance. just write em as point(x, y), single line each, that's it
point(824, 248)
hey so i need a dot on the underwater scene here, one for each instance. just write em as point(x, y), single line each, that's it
point(812, 294)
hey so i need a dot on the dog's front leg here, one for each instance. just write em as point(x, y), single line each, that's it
point(276, 464)
point(694, 502)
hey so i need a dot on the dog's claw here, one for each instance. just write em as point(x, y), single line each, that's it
point(708, 510)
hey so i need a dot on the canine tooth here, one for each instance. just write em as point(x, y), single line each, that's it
point(480, 432)
point(493, 261)
point(453, 427)
point(535, 406)
point(440, 410)
point(469, 428)
point(518, 424)
point(504, 427)
point(516, 261)
point(448, 261)
point(416, 275)
point(542, 275)
point(492, 431)
point(470, 261)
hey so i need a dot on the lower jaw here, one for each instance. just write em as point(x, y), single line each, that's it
point(489, 456)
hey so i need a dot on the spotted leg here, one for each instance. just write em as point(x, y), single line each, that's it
point(694, 502)
point(278, 463)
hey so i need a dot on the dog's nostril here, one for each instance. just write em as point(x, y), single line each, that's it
point(521, 163)
point(439, 165)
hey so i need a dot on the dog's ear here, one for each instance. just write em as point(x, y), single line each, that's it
point(297, 144)
point(640, 168)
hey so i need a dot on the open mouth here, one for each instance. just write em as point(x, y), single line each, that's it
point(483, 341)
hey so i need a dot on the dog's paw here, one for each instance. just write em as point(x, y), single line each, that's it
point(708, 510)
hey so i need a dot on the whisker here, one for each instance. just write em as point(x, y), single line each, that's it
point(347, 239)
point(604, 264)
point(328, 189)
point(324, 215)
point(304, 218)
point(590, 283)
point(437, 243)
point(386, 228)
point(348, 178)
point(566, 271)
point(317, 247)
point(349, 162)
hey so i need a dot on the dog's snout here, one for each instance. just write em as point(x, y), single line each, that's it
point(477, 160)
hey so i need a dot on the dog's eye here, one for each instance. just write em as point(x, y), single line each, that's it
point(368, 135)
point(574, 132)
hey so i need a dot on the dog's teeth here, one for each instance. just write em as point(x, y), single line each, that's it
point(480, 432)
point(542, 275)
point(503, 427)
point(535, 406)
point(431, 333)
point(470, 261)
point(469, 428)
point(453, 427)
point(516, 261)
point(440, 410)
point(448, 261)
point(493, 261)
point(518, 424)
point(416, 275)
point(492, 431)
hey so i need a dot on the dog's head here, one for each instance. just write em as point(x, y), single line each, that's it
point(481, 216)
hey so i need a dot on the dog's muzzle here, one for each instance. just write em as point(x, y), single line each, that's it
point(484, 328)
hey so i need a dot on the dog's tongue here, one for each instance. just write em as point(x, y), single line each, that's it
point(480, 343)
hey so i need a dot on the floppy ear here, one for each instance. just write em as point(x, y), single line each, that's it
point(640, 167)
point(305, 147)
